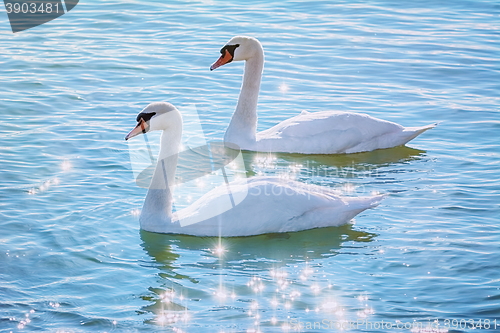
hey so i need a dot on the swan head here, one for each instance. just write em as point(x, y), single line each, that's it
point(158, 116)
point(237, 49)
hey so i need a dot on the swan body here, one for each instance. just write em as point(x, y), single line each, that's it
point(332, 133)
point(270, 204)
point(327, 132)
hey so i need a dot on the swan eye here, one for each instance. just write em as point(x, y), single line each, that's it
point(145, 116)
point(230, 49)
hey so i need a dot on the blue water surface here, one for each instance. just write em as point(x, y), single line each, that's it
point(72, 256)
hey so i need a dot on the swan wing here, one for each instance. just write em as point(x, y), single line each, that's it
point(269, 205)
point(331, 132)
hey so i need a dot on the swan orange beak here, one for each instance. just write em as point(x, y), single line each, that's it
point(224, 59)
point(141, 127)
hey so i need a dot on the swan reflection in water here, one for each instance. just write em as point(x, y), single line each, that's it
point(331, 165)
point(256, 280)
point(340, 165)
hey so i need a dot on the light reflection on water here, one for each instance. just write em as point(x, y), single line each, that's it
point(283, 274)
point(72, 257)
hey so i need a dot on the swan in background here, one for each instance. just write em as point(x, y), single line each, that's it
point(270, 204)
point(325, 132)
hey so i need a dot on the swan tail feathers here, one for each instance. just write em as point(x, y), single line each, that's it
point(353, 206)
point(366, 202)
point(420, 129)
point(411, 133)
point(377, 199)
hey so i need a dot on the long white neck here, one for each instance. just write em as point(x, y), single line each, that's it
point(243, 126)
point(157, 208)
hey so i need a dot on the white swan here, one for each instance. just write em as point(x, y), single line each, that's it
point(271, 204)
point(326, 132)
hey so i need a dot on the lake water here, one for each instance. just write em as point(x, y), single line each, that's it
point(72, 256)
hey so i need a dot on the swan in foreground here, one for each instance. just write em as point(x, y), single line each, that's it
point(325, 132)
point(267, 205)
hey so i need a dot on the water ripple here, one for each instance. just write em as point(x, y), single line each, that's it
point(72, 256)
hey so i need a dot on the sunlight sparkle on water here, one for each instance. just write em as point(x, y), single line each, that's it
point(330, 306)
point(220, 294)
point(283, 88)
point(172, 318)
point(429, 330)
point(361, 314)
point(362, 298)
point(305, 273)
point(167, 296)
point(254, 305)
point(66, 165)
point(278, 274)
point(219, 250)
point(274, 302)
point(349, 188)
point(44, 187)
point(295, 167)
point(54, 305)
point(315, 288)
point(268, 162)
point(294, 294)
point(252, 330)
